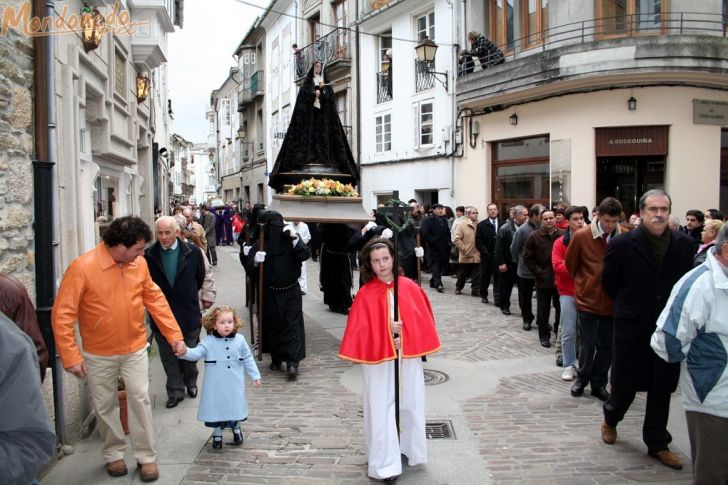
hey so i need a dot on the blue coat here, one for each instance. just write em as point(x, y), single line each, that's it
point(223, 389)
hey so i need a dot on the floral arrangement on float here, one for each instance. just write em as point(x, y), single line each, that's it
point(322, 188)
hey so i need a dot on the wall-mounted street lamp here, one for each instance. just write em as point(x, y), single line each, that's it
point(142, 87)
point(474, 132)
point(93, 27)
point(631, 103)
point(513, 119)
point(426, 51)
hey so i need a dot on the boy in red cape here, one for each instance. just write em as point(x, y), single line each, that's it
point(368, 340)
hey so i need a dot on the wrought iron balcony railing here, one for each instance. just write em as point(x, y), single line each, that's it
point(384, 87)
point(632, 25)
point(424, 78)
point(331, 47)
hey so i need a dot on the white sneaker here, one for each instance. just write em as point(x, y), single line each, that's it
point(569, 373)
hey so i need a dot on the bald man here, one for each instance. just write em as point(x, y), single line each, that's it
point(178, 268)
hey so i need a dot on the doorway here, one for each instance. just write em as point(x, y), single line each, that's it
point(627, 178)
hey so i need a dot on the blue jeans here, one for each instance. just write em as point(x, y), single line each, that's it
point(568, 330)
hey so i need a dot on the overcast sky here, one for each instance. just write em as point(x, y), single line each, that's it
point(200, 57)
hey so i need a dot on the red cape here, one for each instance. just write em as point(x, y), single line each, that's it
point(367, 338)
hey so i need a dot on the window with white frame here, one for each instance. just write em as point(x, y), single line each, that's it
point(385, 42)
point(426, 26)
point(383, 129)
point(225, 111)
point(423, 119)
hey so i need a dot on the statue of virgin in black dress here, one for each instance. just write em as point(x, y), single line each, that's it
point(315, 144)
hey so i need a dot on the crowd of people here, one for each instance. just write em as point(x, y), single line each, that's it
point(633, 299)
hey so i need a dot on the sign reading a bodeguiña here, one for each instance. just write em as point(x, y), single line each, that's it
point(710, 112)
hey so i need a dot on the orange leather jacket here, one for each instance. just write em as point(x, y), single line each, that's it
point(108, 303)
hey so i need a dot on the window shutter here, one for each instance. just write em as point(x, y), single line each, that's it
point(416, 123)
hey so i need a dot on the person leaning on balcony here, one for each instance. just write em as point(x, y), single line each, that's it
point(465, 62)
point(482, 48)
point(106, 291)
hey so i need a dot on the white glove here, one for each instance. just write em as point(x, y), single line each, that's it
point(419, 252)
point(260, 256)
point(370, 225)
point(246, 249)
point(291, 230)
point(387, 233)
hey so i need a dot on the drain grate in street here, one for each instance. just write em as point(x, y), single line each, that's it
point(439, 430)
point(435, 377)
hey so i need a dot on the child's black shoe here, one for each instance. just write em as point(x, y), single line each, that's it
point(237, 436)
point(217, 442)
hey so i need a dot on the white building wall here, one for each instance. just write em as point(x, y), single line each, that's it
point(280, 89)
point(692, 164)
point(434, 173)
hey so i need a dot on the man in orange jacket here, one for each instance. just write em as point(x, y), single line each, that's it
point(106, 290)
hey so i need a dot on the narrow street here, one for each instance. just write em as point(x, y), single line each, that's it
point(510, 416)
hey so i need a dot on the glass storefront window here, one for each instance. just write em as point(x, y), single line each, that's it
point(524, 181)
point(107, 191)
point(724, 171)
point(521, 172)
point(521, 149)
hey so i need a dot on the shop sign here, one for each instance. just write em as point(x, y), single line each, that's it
point(710, 112)
point(631, 141)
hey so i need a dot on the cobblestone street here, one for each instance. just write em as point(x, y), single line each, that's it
point(511, 414)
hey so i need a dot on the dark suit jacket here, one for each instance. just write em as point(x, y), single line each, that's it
point(640, 289)
point(436, 234)
point(183, 296)
point(485, 234)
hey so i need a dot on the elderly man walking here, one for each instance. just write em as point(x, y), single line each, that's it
point(504, 259)
point(106, 291)
point(640, 269)
point(526, 279)
point(693, 329)
point(468, 254)
point(178, 268)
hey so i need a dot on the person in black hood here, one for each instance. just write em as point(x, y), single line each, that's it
point(282, 255)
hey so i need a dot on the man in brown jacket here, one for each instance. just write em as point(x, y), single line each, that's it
point(585, 262)
point(469, 256)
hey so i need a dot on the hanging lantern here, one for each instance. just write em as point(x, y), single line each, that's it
point(93, 27)
point(142, 87)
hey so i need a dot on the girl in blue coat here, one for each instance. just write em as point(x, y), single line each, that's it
point(227, 357)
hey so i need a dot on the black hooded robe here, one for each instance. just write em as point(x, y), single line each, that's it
point(283, 330)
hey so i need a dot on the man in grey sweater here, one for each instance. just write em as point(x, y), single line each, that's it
point(526, 280)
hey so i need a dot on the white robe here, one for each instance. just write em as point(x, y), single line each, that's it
point(380, 429)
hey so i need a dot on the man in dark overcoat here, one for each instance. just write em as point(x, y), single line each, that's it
point(436, 234)
point(178, 268)
point(485, 234)
point(640, 269)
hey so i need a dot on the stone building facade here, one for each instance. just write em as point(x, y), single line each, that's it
point(16, 155)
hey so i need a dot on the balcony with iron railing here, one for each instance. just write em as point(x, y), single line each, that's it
point(592, 54)
point(333, 49)
point(384, 87)
point(424, 78)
